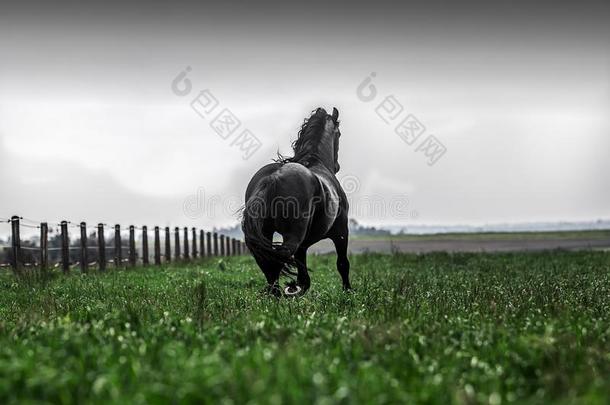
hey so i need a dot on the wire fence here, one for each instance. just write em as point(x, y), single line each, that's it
point(103, 246)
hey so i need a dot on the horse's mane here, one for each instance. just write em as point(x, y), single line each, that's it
point(308, 138)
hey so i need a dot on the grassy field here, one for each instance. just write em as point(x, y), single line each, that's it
point(462, 328)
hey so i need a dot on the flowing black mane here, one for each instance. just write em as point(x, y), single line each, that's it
point(308, 138)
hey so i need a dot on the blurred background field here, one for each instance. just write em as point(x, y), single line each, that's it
point(475, 242)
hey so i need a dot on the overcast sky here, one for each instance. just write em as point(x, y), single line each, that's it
point(519, 95)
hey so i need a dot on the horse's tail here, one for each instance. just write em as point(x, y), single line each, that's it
point(256, 212)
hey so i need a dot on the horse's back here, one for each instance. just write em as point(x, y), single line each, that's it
point(292, 179)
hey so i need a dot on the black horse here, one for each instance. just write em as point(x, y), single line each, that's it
point(301, 199)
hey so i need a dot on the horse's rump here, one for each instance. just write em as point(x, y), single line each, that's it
point(281, 201)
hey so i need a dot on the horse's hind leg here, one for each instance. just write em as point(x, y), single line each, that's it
point(340, 242)
point(273, 281)
point(271, 270)
point(303, 279)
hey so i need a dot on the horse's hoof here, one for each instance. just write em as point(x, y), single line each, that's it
point(292, 291)
point(271, 291)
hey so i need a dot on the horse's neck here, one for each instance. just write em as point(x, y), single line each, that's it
point(325, 153)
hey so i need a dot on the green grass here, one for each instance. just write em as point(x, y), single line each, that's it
point(440, 328)
point(490, 236)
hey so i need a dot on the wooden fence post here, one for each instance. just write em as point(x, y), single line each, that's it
point(118, 259)
point(145, 245)
point(201, 243)
point(186, 244)
point(101, 247)
point(44, 247)
point(222, 245)
point(194, 243)
point(65, 247)
point(157, 247)
point(234, 246)
point(208, 244)
point(16, 245)
point(84, 259)
point(177, 243)
point(132, 246)
point(215, 244)
point(168, 245)
point(228, 247)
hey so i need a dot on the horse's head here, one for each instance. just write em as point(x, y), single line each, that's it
point(331, 134)
point(318, 137)
point(337, 135)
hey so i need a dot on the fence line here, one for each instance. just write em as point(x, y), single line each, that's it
point(92, 249)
